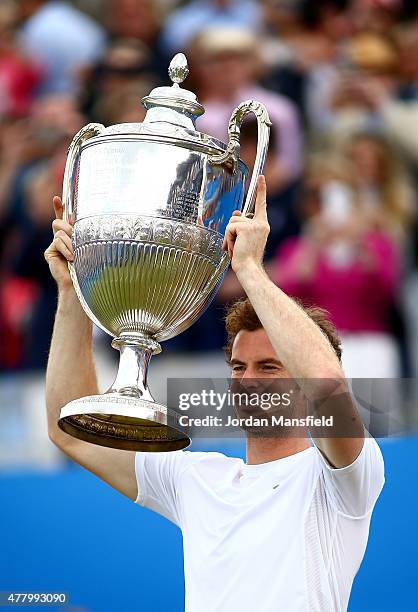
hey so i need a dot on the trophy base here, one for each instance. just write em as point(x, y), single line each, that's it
point(122, 422)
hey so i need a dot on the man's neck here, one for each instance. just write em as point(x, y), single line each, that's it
point(263, 450)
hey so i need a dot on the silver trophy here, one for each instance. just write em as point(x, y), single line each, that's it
point(151, 202)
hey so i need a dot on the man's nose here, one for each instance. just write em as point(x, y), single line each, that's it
point(249, 379)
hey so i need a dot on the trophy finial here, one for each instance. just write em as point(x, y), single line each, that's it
point(181, 103)
point(178, 69)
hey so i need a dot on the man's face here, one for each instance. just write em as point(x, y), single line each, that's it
point(262, 384)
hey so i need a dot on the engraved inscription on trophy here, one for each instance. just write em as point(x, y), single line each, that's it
point(184, 194)
point(183, 205)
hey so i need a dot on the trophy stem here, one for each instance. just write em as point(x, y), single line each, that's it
point(126, 416)
point(135, 356)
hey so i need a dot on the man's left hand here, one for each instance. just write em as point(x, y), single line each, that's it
point(245, 237)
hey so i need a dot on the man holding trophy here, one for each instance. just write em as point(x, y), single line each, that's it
point(151, 217)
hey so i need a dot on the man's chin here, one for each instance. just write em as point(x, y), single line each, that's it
point(244, 412)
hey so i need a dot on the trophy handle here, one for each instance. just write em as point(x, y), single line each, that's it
point(86, 132)
point(231, 154)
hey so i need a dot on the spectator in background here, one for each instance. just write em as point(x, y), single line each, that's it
point(41, 184)
point(386, 195)
point(187, 22)
point(346, 265)
point(340, 106)
point(125, 70)
point(62, 39)
point(225, 65)
point(19, 75)
point(378, 16)
point(395, 103)
point(134, 19)
point(301, 45)
point(140, 21)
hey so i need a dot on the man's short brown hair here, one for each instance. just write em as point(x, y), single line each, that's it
point(241, 315)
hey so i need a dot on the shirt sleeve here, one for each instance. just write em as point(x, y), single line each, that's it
point(354, 489)
point(158, 477)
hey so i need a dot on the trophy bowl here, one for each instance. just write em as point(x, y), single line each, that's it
point(150, 203)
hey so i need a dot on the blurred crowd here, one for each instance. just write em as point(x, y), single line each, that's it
point(340, 82)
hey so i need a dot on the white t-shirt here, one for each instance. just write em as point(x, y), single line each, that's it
point(284, 536)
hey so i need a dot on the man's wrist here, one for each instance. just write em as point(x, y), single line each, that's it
point(68, 302)
point(66, 292)
point(250, 273)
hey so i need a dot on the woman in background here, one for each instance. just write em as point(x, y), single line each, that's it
point(385, 193)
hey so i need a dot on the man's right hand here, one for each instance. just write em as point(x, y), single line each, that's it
point(60, 251)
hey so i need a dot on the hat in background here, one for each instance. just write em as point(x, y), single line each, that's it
point(216, 40)
point(373, 53)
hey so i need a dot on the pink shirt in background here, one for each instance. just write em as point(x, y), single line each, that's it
point(358, 298)
point(19, 77)
point(282, 113)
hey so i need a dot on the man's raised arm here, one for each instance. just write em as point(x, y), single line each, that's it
point(71, 371)
point(301, 346)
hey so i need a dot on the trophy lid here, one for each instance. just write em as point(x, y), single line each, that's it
point(174, 104)
point(171, 115)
